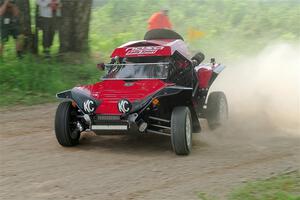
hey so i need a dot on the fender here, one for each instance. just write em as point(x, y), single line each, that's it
point(185, 92)
point(82, 98)
point(165, 92)
point(216, 71)
point(176, 96)
point(173, 90)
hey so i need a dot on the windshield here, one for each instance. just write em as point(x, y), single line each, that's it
point(137, 71)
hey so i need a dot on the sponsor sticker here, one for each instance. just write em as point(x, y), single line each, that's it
point(89, 106)
point(143, 50)
point(124, 106)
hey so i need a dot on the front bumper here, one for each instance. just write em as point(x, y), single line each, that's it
point(114, 123)
point(109, 127)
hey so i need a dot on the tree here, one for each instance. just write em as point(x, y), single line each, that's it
point(75, 24)
point(25, 21)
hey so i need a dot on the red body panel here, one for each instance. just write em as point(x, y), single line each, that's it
point(144, 48)
point(204, 74)
point(109, 92)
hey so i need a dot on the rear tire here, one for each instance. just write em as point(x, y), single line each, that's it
point(217, 110)
point(65, 120)
point(181, 130)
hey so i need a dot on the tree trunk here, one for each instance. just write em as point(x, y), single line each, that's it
point(25, 23)
point(74, 25)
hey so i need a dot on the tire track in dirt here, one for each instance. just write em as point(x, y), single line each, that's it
point(34, 166)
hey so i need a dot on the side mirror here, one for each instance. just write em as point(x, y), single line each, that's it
point(101, 66)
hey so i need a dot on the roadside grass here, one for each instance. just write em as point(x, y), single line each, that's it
point(245, 28)
point(281, 187)
point(34, 80)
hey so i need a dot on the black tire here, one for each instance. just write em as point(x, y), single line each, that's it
point(196, 123)
point(65, 115)
point(180, 138)
point(217, 110)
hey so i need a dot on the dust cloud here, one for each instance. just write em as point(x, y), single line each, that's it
point(264, 90)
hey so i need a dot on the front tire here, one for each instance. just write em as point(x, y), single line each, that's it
point(217, 110)
point(181, 130)
point(65, 125)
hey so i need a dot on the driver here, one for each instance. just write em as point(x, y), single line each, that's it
point(160, 20)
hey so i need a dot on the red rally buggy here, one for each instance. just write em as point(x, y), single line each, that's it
point(151, 86)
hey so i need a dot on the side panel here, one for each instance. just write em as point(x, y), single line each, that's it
point(169, 98)
point(172, 97)
point(204, 76)
point(217, 69)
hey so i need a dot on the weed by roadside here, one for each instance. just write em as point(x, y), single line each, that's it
point(281, 187)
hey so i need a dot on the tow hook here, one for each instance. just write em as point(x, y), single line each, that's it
point(132, 117)
point(141, 124)
point(79, 127)
point(74, 134)
point(87, 119)
point(88, 122)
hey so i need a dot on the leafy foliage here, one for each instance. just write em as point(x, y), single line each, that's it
point(232, 28)
point(34, 80)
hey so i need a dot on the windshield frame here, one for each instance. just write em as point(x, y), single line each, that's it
point(109, 66)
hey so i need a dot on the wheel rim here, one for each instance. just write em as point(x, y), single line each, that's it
point(222, 111)
point(188, 131)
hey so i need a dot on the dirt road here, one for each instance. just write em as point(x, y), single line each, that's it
point(35, 166)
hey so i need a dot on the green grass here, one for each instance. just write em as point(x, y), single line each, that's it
point(35, 80)
point(281, 187)
point(232, 29)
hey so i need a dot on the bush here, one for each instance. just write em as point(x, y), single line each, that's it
point(32, 80)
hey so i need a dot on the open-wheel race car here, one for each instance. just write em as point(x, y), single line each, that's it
point(150, 86)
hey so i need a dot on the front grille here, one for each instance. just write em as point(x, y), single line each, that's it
point(107, 117)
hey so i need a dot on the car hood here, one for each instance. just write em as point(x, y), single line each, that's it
point(110, 92)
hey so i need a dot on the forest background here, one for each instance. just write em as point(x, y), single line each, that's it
point(232, 30)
